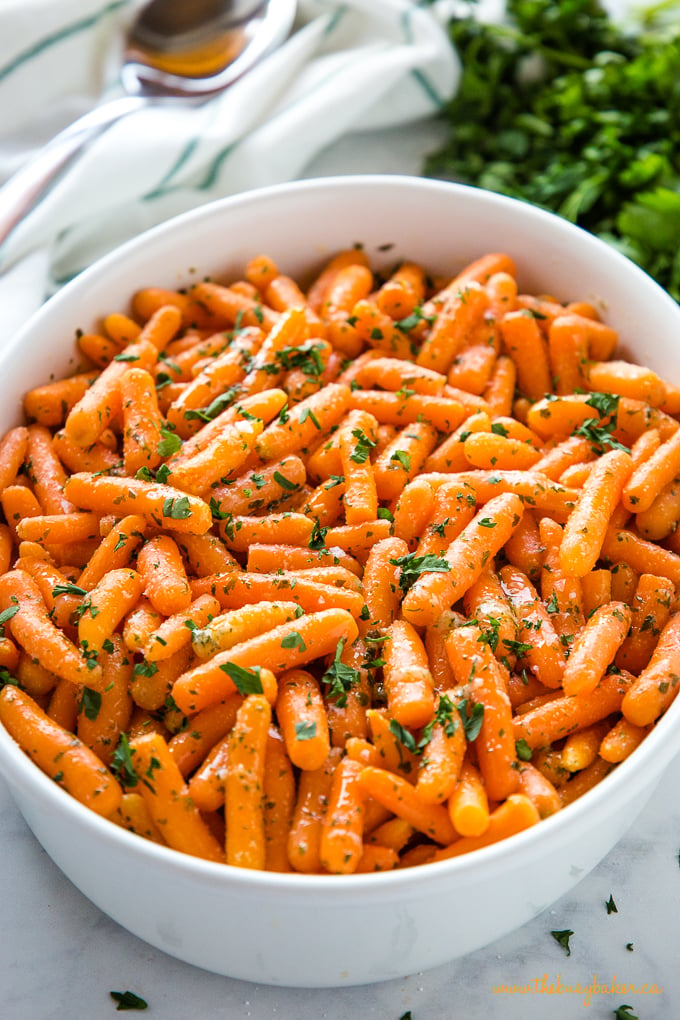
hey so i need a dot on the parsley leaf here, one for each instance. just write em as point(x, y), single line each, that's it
point(363, 447)
point(611, 906)
point(413, 566)
point(305, 730)
point(67, 589)
point(178, 508)
point(403, 458)
point(472, 723)
point(121, 763)
point(169, 443)
point(562, 938)
point(246, 681)
point(522, 750)
point(128, 1000)
point(623, 1013)
point(294, 640)
point(90, 703)
point(284, 482)
point(340, 677)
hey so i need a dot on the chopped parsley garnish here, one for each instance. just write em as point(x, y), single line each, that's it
point(340, 677)
point(284, 482)
point(294, 640)
point(611, 906)
point(169, 443)
point(403, 458)
point(472, 723)
point(128, 1000)
point(562, 939)
point(62, 589)
point(178, 508)
point(90, 703)
point(522, 750)
point(305, 730)
point(121, 763)
point(413, 566)
point(246, 681)
point(363, 447)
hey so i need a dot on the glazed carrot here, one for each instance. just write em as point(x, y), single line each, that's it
point(206, 554)
point(325, 502)
point(656, 686)
point(621, 740)
point(357, 539)
point(45, 472)
point(373, 326)
point(443, 413)
point(652, 476)
point(167, 798)
point(487, 603)
point(18, 503)
point(624, 582)
point(163, 576)
point(465, 559)
point(342, 828)
point(63, 705)
point(568, 347)
point(60, 754)
point(59, 528)
point(500, 389)
point(142, 421)
point(160, 504)
point(461, 313)
point(443, 754)
point(278, 787)
point(651, 608)
point(472, 367)
point(376, 858)
point(399, 375)
point(525, 345)
point(560, 717)
point(403, 800)
point(105, 606)
point(452, 510)
point(206, 785)
point(102, 720)
point(539, 790)
point(393, 834)
point(152, 683)
point(581, 748)
point(475, 667)
point(516, 814)
point(101, 402)
point(488, 450)
point(302, 717)
point(661, 520)
point(49, 404)
point(134, 816)
point(235, 590)
point(402, 459)
point(449, 455)
point(264, 405)
point(596, 588)
point(403, 291)
point(304, 839)
point(140, 624)
point(256, 490)
point(264, 559)
point(536, 491)
point(223, 455)
point(13, 450)
point(596, 647)
point(347, 693)
point(178, 630)
point(36, 633)
point(304, 423)
point(468, 804)
point(190, 746)
point(287, 646)
point(361, 499)
point(409, 685)
point(381, 581)
point(226, 305)
point(623, 546)
point(584, 781)
point(94, 458)
point(524, 549)
point(626, 380)
point(115, 551)
point(413, 510)
point(396, 757)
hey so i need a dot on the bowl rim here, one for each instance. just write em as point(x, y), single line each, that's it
point(642, 769)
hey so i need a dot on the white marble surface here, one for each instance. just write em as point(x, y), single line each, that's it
point(60, 956)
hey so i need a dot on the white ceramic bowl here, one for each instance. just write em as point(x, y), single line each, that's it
point(314, 930)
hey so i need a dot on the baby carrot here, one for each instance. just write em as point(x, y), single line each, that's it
point(402, 799)
point(596, 647)
point(278, 787)
point(304, 839)
point(162, 505)
point(651, 608)
point(60, 754)
point(166, 795)
point(468, 804)
point(115, 550)
point(33, 629)
point(45, 471)
point(102, 720)
point(302, 717)
point(190, 746)
point(381, 581)
point(142, 421)
point(409, 685)
point(178, 630)
point(342, 828)
point(556, 719)
point(402, 459)
point(49, 404)
point(443, 754)
point(13, 449)
point(621, 740)
point(514, 815)
point(163, 576)
point(587, 525)
point(105, 606)
point(235, 590)
point(526, 346)
point(464, 560)
point(656, 686)
point(287, 646)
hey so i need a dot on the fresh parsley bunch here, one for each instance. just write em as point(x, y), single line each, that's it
point(562, 108)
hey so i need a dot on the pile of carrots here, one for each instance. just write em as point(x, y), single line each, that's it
point(340, 579)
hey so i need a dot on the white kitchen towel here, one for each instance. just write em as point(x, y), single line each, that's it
point(349, 65)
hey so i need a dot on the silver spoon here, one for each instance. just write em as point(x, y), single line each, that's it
point(176, 51)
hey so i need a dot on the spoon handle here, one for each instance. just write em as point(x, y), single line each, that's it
point(29, 185)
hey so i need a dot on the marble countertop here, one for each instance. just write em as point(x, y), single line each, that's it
point(60, 956)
